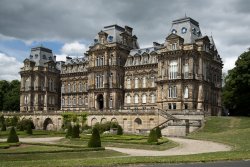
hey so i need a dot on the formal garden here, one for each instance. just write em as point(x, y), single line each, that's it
point(78, 145)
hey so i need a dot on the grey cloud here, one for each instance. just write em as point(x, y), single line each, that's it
point(68, 20)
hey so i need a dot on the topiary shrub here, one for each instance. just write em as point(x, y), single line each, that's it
point(14, 121)
point(119, 130)
point(102, 127)
point(69, 131)
point(158, 132)
point(95, 140)
point(152, 138)
point(3, 128)
point(29, 129)
point(75, 131)
point(12, 138)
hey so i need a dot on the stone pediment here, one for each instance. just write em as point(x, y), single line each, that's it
point(173, 36)
point(98, 46)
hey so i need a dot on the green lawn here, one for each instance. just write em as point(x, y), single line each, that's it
point(36, 133)
point(124, 141)
point(234, 131)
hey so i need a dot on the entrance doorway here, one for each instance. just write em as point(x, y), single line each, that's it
point(100, 101)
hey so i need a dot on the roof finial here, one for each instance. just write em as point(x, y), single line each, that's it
point(185, 15)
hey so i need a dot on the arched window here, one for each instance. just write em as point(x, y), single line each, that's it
point(63, 101)
point(144, 82)
point(136, 99)
point(86, 101)
point(128, 83)
point(136, 82)
point(144, 98)
point(110, 102)
point(80, 101)
point(80, 87)
point(62, 89)
point(152, 81)
point(111, 80)
point(186, 92)
point(173, 69)
point(128, 99)
point(69, 88)
point(74, 87)
point(74, 101)
point(186, 71)
point(69, 101)
point(152, 98)
point(172, 92)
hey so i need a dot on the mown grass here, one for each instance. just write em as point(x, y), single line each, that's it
point(125, 141)
point(36, 133)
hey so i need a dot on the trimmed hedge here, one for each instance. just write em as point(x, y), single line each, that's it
point(75, 131)
point(12, 138)
point(69, 131)
point(29, 129)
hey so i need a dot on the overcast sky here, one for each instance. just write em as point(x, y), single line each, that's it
point(69, 26)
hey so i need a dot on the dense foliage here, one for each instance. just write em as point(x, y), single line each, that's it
point(95, 140)
point(24, 123)
point(236, 92)
point(152, 138)
point(102, 127)
point(12, 138)
point(69, 117)
point(9, 95)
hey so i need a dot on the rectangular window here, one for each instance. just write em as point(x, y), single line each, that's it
point(186, 71)
point(128, 83)
point(144, 82)
point(136, 82)
point(173, 69)
point(152, 81)
point(172, 92)
point(128, 99)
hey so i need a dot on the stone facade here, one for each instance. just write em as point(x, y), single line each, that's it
point(181, 76)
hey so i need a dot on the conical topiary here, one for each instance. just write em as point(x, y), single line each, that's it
point(29, 129)
point(75, 131)
point(152, 136)
point(158, 132)
point(12, 138)
point(95, 140)
point(69, 131)
point(119, 130)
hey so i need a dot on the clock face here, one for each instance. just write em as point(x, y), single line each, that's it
point(174, 31)
point(183, 30)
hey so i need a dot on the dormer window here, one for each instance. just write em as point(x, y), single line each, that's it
point(31, 57)
point(95, 40)
point(174, 46)
point(183, 30)
point(36, 55)
point(174, 31)
point(194, 31)
point(44, 57)
point(110, 38)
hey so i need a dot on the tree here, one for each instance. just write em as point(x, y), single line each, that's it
point(9, 95)
point(29, 129)
point(95, 140)
point(14, 121)
point(3, 127)
point(2, 120)
point(75, 131)
point(12, 138)
point(152, 138)
point(69, 131)
point(158, 132)
point(119, 130)
point(236, 94)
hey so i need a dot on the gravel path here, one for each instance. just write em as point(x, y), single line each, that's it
point(186, 147)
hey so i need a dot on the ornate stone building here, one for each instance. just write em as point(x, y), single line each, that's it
point(181, 76)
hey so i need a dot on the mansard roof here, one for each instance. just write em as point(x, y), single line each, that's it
point(77, 60)
point(148, 50)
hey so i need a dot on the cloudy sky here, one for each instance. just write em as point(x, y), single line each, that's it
point(68, 27)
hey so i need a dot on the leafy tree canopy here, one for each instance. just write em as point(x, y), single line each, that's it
point(236, 92)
